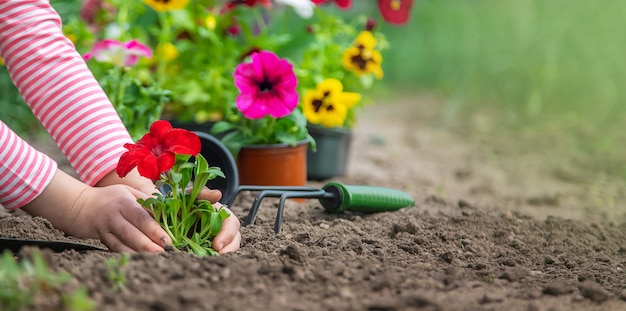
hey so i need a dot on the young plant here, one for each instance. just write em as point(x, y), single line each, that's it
point(163, 155)
point(116, 273)
point(22, 281)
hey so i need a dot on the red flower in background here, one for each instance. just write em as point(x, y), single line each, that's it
point(233, 3)
point(156, 151)
point(395, 11)
point(342, 4)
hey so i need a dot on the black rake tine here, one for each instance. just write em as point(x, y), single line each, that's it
point(294, 194)
point(239, 189)
point(267, 193)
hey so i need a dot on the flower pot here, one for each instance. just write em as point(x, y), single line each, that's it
point(273, 165)
point(333, 150)
point(218, 155)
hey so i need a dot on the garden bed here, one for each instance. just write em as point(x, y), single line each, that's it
point(484, 235)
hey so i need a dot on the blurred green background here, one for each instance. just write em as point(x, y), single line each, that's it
point(549, 73)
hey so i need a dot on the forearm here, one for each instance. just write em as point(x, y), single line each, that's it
point(57, 201)
point(24, 171)
point(58, 86)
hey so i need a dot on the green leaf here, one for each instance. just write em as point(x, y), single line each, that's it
point(222, 126)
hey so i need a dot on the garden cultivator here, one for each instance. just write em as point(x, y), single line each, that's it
point(334, 197)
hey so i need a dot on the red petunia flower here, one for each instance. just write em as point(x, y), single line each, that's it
point(395, 11)
point(342, 4)
point(156, 151)
point(231, 4)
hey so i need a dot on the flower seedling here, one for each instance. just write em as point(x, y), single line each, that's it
point(163, 155)
point(116, 273)
point(22, 281)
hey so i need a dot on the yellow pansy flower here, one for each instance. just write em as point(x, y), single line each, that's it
point(328, 105)
point(166, 5)
point(362, 57)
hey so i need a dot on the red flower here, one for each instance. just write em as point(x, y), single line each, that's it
point(156, 151)
point(395, 11)
point(342, 4)
point(233, 3)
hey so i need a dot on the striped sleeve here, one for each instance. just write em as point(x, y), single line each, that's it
point(55, 82)
point(24, 171)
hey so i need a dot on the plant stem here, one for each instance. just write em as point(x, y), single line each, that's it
point(121, 89)
point(164, 38)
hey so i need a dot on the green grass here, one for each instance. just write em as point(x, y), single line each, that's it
point(552, 68)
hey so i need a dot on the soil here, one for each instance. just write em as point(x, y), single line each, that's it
point(493, 228)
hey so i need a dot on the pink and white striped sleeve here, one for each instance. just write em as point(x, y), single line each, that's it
point(57, 85)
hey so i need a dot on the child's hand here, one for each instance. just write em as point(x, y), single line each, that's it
point(113, 215)
point(110, 214)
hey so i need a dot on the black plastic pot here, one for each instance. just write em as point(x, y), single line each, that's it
point(333, 151)
point(218, 155)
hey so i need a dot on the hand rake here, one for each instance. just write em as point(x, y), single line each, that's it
point(334, 197)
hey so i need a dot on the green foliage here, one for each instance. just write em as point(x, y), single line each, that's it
point(239, 131)
point(22, 281)
point(138, 105)
point(191, 223)
point(116, 273)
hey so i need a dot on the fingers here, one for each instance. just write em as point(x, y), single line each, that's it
point(149, 236)
point(233, 246)
point(211, 195)
point(229, 238)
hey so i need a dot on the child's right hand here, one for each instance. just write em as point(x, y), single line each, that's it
point(110, 214)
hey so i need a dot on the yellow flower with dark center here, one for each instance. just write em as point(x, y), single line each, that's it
point(166, 5)
point(328, 104)
point(362, 57)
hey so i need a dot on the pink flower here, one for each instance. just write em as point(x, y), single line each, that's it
point(118, 53)
point(267, 85)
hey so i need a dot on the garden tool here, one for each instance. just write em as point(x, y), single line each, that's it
point(335, 198)
point(14, 245)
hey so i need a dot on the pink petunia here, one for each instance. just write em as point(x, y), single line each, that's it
point(267, 85)
point(118, 53)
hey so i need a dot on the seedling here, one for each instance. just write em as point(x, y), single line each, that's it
point(116, 273)
point(21, 281)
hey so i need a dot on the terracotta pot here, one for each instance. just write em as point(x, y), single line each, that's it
point(273, 165)
point(332, 154)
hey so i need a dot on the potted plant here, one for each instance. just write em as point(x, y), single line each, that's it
point(343, 60)
point(265, 130)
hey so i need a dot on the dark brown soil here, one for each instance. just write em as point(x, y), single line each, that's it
point(490, 231)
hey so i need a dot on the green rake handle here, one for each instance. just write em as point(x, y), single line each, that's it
point(366, 199)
